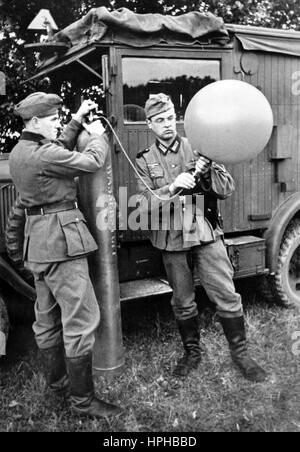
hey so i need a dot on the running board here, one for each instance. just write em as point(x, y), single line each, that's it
point(143, 288)
point(246, 253)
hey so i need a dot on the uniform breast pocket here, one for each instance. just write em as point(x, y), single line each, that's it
point(157, 175)
point(77, 236)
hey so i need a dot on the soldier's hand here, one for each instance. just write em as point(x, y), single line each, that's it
point(95, 128)
point(184, 180)
point(202, 166)
point(85, 108)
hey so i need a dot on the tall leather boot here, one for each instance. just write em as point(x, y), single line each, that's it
point(83, 398)
point(54, 364)
point(189, 332)
point(234, 329)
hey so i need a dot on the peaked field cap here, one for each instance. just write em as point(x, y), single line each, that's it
point(156, 104)
point(38, 104)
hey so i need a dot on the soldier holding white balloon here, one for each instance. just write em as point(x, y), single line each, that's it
point(170, 167)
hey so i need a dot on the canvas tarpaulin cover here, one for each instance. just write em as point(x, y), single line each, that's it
point(272, 44)
point(127, 27)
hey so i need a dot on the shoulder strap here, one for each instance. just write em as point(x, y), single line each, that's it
point(149, 155)
point(141, 153)
point(44, 141)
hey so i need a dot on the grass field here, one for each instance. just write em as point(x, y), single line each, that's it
point(214, 398)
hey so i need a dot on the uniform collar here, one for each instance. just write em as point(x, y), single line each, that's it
point(174, 146)
point(30, 136)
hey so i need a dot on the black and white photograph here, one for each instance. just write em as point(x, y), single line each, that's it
point(149, 219)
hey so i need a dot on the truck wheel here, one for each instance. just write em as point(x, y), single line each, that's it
point(285, 284)
point(4, 327)
point(20, 310)
point(263, 288)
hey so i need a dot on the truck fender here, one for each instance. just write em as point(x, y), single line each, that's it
point(278, 224)
point(9, 275)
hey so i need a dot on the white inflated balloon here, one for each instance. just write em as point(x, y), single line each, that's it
point(229, 121)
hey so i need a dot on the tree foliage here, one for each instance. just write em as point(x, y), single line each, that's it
point(15, 16)
point(16, 67)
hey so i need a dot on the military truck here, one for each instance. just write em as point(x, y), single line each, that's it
point(126, 57)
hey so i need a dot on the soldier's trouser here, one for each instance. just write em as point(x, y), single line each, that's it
point(66, 308)
point(215, 272)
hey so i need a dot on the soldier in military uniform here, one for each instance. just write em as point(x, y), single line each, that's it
point(169, 167)
point(57, 243)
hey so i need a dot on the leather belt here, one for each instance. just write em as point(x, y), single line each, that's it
point(52, 208)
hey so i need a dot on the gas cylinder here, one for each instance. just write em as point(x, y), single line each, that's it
point(98, 205)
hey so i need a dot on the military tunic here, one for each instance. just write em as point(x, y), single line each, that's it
point(56, 244)
point(159, 167)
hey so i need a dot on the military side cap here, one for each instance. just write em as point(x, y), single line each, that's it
point(157, 104)
point(38, 104)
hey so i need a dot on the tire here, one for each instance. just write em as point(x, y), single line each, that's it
point(4, 326)
point(20, 309)
point(263, 288)
point(285, 283)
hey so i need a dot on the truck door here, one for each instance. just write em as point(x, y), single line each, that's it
point(181, 74)
point(138, 74)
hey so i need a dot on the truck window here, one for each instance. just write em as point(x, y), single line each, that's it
point(180, 78)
